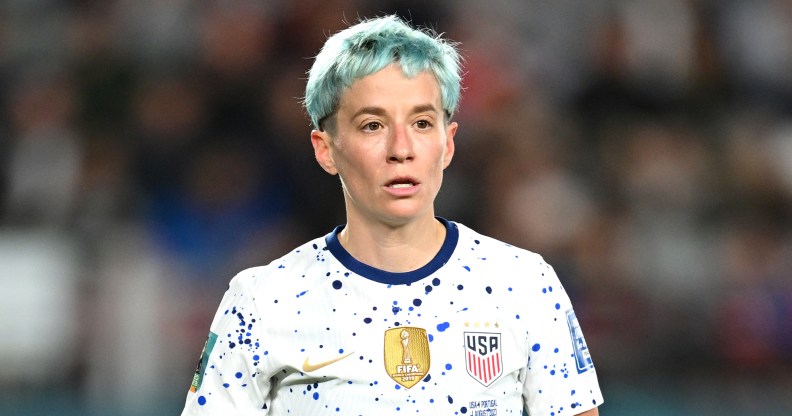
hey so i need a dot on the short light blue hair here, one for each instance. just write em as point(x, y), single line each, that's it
point(371, 45)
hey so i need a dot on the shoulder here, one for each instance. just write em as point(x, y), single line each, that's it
point(475, 244)
point(294, 263)
point(502, 261)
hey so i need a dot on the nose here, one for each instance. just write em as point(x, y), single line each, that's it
point(400, 146)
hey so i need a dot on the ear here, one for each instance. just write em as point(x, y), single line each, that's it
point(448, 153)
point(323, 150)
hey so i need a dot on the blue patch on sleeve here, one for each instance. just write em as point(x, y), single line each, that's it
point(199, 372)
point(582, 356)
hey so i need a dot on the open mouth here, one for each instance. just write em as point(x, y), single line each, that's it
point(401, 183)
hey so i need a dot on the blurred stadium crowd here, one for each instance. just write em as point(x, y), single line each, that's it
point(151, 149)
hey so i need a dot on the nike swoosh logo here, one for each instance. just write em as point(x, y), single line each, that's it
point(308, 367)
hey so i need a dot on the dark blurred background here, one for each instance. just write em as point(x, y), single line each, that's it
point(151, 149)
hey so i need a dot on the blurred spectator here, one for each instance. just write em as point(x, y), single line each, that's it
point(170, 118)
point(753, 307)
point(225, 200)
point(45, 152)
point(156, 33)
point(756, 43)
point(39, 313)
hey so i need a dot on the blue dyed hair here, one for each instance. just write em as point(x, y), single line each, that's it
point(371, 45)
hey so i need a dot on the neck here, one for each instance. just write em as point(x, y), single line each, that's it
point(395, 249)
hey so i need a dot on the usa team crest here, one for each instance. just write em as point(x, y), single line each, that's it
point(483, 358)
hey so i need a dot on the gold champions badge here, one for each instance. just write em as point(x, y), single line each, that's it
point(406, 355)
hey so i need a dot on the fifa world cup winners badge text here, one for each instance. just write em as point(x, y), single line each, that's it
point(483, 407)
point(407, 355)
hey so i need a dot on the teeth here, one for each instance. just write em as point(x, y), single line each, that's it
point(401, 185)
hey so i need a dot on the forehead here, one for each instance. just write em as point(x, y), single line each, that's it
point(389, 88)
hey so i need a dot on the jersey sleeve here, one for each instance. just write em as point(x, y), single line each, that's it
point(231, 378)
point(559, 377)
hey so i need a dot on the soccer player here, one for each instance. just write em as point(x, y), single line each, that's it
point(397, 311)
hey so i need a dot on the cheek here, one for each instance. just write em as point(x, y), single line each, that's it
point(352, 165)
point(444, 159)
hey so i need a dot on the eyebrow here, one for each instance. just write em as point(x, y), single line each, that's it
point(425, 108)
point(379, 111)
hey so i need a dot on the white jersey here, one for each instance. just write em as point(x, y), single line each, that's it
point(485, 328)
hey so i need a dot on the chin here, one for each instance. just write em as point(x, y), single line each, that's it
point(404, 215)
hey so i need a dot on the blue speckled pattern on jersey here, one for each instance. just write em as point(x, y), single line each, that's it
point(486, 308)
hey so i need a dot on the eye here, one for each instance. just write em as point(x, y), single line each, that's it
point(372, 126)
point(423, 124)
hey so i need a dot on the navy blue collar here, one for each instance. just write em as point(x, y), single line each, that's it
point(382, 276)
